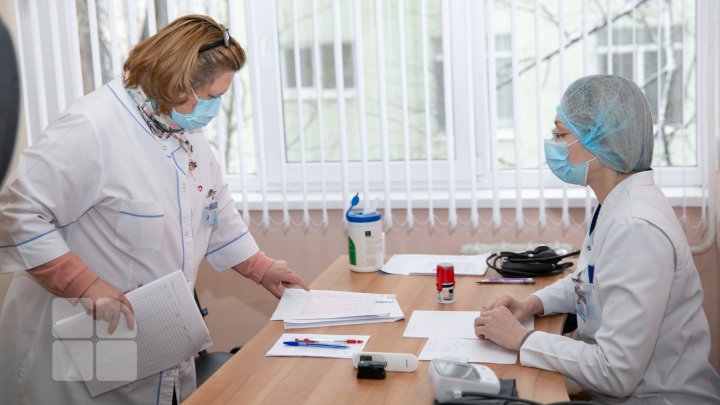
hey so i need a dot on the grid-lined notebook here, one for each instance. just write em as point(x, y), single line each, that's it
point(169, 330)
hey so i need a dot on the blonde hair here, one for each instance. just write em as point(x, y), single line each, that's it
point(169, 66)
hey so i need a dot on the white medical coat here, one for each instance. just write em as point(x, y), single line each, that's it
point(99, 184)
point(644, 338)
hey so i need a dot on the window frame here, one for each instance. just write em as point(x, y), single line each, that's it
point(282, 177)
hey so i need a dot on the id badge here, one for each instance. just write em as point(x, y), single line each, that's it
point(580, 302)
point(211, 216)
point(587, 304)
point(581, 299)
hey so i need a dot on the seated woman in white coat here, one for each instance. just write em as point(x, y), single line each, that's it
point(120, 190)
point(642, 336)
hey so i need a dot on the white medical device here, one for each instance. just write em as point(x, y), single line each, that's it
point(453, 378)
point(405, 362)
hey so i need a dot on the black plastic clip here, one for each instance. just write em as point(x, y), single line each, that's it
point(371, 370)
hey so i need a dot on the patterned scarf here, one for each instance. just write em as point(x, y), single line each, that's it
point(161, 125)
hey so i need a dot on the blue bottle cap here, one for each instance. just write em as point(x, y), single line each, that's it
point(359, 216)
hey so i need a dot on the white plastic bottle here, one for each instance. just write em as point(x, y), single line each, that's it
point(366, 241)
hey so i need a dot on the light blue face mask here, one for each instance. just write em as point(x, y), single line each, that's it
point(201, 115)
point(556, 156)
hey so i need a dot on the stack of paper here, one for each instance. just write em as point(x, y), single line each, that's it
point(308, 309)
point(465, 265)
point(452, 335)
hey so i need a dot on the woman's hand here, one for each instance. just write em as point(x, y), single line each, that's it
point(103, 301)
point(500, 326)
point(279, 274)
point(520, 309)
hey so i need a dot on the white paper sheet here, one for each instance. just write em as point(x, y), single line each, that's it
point(302, 309)
point(465, 265)
point(169, 330)
point(470, 350)
point(280, 349)
point(446, 324)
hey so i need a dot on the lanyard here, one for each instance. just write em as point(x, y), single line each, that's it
point(594, 219)
point(591, 267)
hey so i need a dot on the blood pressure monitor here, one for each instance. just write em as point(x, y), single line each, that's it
point(452, 378)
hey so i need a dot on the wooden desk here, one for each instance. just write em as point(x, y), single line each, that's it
point(251, 378)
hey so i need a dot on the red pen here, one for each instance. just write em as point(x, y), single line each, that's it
point(306, 340)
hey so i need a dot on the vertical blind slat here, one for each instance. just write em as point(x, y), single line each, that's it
point(132, 22)
point(301, 113)
point(319, 104)
point(561, 81)
point(426, 93)
point(360, 89)
point(73, 38)
point(519, 219)
point(405, 119)
point(19, 22)
point(379, 43)
point(42, 113)
point(635, 58)
point(472, 149)
point(151, 18)
point(212, 8)
point(114, 41)
point(542, 218)
point(585, 65)
point(94, 43)
point(449, 119)
point(57, 58)
point(171, 10)
point(255, 77)
point(340, 88)
point(492, 87)
point(682, 117)
point(234, 26)
point(609, 35)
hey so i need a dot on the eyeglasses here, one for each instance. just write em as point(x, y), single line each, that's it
point(224, 41)
point(557, 134)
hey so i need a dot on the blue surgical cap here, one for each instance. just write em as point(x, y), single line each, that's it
point(611, 118)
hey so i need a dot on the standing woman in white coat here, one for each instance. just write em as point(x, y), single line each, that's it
point(642, 336)
point(121, 189)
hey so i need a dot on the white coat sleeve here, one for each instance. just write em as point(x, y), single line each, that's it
point(58, 180)
point(633, 276)
point(230, 242)
point(558, 297)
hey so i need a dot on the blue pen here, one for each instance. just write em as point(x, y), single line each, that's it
point(591, 273)
point(326, 345)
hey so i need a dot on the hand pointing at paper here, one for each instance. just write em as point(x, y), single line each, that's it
point(279, 274)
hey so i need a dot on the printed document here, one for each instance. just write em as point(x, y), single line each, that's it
point(168, 330)
point(469, 350)
point(465, 265)
point(452, 335)
point(306, 309)
point(446, 324)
